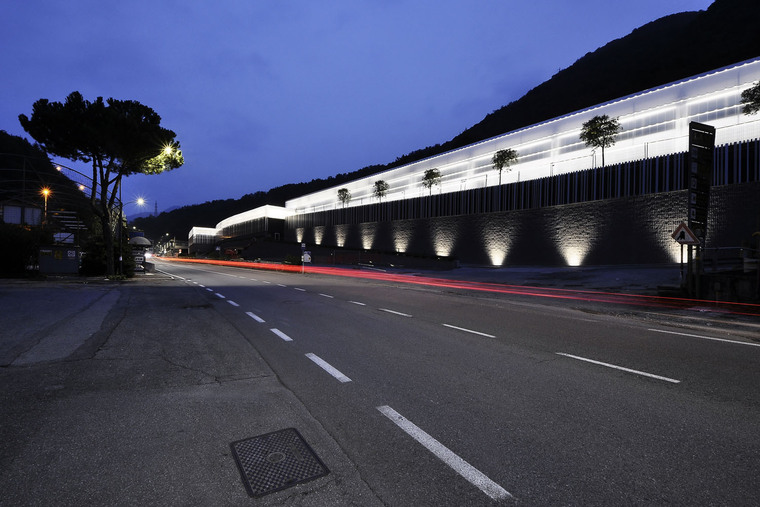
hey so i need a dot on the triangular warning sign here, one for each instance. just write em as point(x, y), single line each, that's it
point(685, 236)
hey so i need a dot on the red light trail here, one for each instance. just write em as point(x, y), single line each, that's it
point(724, 307)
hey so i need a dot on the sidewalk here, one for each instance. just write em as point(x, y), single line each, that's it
point(131, 394)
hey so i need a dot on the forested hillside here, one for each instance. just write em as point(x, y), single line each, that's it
point(665, 50)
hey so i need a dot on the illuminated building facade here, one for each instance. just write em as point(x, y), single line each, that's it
point(556, 205)
point(264, 221)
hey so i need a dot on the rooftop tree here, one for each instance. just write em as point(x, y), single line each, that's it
point(502, 159)
point(344, 196)
point(117, 137)
point(380, 189)
point(751, 99)
point(431, 177)
point(600, 132)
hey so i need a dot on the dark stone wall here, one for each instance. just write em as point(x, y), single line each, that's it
point(629, 230)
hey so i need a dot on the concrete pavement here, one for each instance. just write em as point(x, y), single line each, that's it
point(131, 394)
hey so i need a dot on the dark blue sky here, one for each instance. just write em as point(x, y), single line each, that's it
point(263, 93)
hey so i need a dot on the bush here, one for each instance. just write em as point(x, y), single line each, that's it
point(94, 258)
point(19, 248)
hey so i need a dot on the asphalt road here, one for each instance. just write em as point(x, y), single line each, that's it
point(448, 397)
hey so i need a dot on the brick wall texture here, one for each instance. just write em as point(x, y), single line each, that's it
point(625, 230)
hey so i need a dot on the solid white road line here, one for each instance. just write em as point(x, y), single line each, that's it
point(232, 303)
point(281, 334)
point(470, 331)
point(394, 312)
point(706, 337)
point(328, 367)
point(637, 372)
point(472, 474)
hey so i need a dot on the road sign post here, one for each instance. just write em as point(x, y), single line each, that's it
point(305, 257)
point(685, 236)
point(699, 174)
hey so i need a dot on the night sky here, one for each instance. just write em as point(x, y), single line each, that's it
point(262, 93)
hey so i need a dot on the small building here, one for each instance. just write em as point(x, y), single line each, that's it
point(263, 222)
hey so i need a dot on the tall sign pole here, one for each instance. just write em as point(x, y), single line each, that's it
point(700, 165)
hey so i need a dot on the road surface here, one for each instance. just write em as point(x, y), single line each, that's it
point(443, 396)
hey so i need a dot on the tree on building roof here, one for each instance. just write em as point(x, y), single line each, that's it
point(751, 99)
point(431, 177)
point(502, 159)
point(344, 196)
point(600, 132)
point(380, 189)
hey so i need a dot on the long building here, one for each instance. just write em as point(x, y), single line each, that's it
point(557, 204)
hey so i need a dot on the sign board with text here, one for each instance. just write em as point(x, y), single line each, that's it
point(699, 174)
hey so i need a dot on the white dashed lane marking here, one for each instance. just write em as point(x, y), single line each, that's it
point(734, 342)
point(254, 316)
point(469, 472)
point(469, 331)
point(394, 312)
point(281, 334)
point(328, 367)
point(616, 367)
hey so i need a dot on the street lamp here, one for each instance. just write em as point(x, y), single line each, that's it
point(139, 201)
point(45, 193)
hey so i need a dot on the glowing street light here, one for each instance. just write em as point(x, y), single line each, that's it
point(139, 201)
point(45, 191)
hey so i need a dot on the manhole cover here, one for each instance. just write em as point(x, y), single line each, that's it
point(276, 461)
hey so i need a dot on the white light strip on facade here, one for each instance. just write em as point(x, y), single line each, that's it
point(266, 211)
point(655, 122)
point(201, 235)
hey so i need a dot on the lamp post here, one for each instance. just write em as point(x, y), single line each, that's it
point(139, 201)
point(45, 194)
